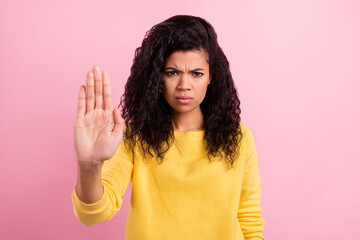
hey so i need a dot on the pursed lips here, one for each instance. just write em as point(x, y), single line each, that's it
point(184, 99)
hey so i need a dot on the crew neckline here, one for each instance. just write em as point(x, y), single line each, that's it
point(200, 133)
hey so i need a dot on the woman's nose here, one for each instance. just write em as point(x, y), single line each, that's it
point(184, 82)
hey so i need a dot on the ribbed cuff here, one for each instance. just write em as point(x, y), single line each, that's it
point(89, 207)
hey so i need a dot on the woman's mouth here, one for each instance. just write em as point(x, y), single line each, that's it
point(184, 99)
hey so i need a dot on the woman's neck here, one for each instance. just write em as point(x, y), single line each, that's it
point(189, 121)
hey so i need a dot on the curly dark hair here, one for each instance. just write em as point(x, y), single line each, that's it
point(147, 114)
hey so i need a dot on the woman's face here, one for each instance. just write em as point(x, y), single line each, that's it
point(186, 77)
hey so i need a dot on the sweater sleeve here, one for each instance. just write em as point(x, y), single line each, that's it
point(116, 175)
point(249, 213)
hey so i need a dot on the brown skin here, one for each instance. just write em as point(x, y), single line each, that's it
point(186, 74)
point(98, 131)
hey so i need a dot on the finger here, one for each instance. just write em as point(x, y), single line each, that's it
point(90, 96)
point(119, 123)
point(81, 103)
point(107, 92)
point(98, 87)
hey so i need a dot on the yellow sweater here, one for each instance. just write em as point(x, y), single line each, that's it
point(185, 197)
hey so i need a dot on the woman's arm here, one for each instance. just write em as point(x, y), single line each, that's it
point(115, 177)
point(89, 186)
point(249, 214)
point(98, 132)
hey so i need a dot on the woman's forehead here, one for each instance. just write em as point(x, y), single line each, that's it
point(190, 58)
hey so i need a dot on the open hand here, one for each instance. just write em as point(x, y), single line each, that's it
point(98, 128)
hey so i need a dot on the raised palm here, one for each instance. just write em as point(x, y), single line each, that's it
point(98, 128)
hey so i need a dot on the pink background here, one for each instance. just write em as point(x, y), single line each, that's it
point(296, 66)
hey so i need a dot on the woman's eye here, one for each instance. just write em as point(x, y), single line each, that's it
point(198, 74)
point(171, 73)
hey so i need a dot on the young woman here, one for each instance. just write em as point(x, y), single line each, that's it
point(193, 165)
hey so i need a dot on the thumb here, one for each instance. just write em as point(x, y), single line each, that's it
point(119, 123)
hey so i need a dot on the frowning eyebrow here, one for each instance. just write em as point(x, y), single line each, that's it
point(175, 69)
